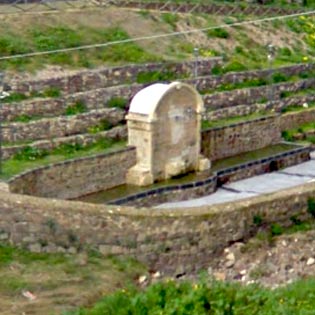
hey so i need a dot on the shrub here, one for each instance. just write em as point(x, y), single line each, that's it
point(234, 66)
point(170, 19)
point(102, 126)
point(278, 77)
point(257, 219)
point(117, 102)
point(52, 92)
point(30, 154)
point(77, 108)
point(218, 32)
point(311, 207)
point(153, 76)
point(287, 136)
point(276, 229)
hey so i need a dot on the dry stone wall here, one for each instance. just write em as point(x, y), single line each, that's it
point(168, 240)
point(49, 128)
point(106, 77)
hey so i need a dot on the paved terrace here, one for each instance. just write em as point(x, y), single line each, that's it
point(254, 186)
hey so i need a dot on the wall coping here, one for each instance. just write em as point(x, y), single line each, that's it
point(30, 202)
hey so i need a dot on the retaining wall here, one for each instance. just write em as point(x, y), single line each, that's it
point(74, 178)
point(96, 97)
point(105, 77)
point(218, 143)
point(49, 128)
point(167, 240)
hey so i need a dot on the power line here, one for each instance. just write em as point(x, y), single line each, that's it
point(150, 37)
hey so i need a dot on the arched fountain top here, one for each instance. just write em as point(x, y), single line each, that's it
point(146, 101)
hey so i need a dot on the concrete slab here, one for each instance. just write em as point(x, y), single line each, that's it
point(262, 184)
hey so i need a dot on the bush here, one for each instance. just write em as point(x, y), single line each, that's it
point(117, 102)
point(218, 32)
point(276, 229)
point(278, 77)
point(234, 66)
point(311, 207)
point(30, 154)
point(153, 76)
point(77, 108)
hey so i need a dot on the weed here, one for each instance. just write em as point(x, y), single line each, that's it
point(311, 207)
point(77, 108)
point(153, 76)
point(287, 136)
point(23, 118)
point(30, 153)
point(278, 77)
point(102, 126)
point(15, 97)
point(52, 92)
point(276, 229)
point(170, 19)
point(235, 66)
point(295, 220)
point(218, 32)
point(52, 224)
point(117, 102)
point(257, 219)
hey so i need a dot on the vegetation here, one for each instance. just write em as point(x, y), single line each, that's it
point(77, 108)
point(57, 273)
point(32, 157)
point(117, 102)
point(207, 297)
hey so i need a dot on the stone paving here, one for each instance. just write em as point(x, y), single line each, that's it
point(262, 184)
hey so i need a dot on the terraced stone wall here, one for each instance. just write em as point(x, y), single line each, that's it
point(105, 77)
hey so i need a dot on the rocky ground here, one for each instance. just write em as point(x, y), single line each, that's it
point(268, 261)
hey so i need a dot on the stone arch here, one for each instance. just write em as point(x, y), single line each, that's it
point(164, 125)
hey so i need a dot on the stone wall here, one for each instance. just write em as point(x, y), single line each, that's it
point(212, 181)
point(116, 133)
point(74, 178)
point(167, 240)
point(49, 128)
point(254, 95)
point(97, 96)
point(105, 77)
point(221, 142)
point(224, 9)
point(296, 119)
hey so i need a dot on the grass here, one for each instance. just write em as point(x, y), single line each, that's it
point(33, 158)
point(45, 38)
point(206, 124)
point(208, 297)
point(77, 108)
point(61, 281)
point(289, 135)
point(238, 47)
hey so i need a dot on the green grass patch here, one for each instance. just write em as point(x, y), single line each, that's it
point(78, 107)
point(117, 102)
point(218, 33)
point(206, 124)
point(208, 297)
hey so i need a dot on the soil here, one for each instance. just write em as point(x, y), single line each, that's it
point(271, 263)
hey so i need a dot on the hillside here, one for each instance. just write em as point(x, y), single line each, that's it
point(54, 96)
point(244, 46)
